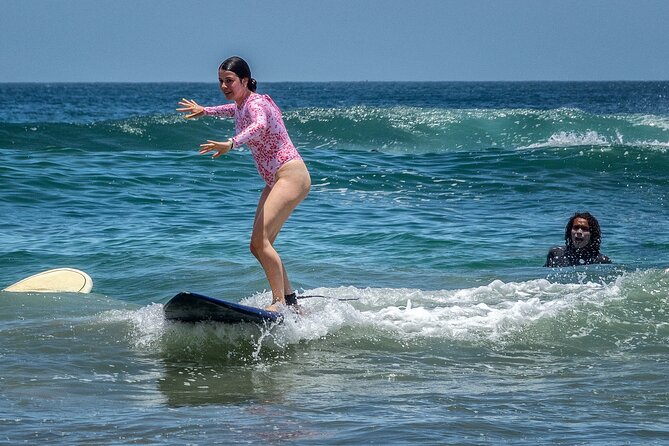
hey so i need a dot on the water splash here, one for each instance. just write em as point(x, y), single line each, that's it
point(535, 311)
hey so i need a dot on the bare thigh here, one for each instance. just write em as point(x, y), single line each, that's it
point(278, 202)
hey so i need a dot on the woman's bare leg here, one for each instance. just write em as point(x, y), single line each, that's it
point(274, 207)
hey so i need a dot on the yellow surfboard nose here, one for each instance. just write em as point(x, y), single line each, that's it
point(64, 280)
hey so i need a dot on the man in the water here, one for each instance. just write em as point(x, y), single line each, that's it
point(583, 237)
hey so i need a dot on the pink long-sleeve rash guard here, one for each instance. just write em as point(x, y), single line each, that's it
point(259, 125)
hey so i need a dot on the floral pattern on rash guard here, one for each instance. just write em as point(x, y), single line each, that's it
point(259, 125)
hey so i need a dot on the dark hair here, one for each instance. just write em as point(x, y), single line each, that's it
point(239, 66)
point(595, 231)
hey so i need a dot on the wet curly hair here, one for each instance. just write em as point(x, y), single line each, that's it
point(595, 231)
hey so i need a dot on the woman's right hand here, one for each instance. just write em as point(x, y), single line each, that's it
point(191, 107)
point(219, 147)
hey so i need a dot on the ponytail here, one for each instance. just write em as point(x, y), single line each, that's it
point(239, 66)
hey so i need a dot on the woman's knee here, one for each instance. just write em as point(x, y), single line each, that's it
point(258, 246)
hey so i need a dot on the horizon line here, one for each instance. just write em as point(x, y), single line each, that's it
point(333, 82)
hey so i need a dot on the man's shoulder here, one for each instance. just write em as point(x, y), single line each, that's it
point(557, 250)
point(601, 258)
point(556, 256)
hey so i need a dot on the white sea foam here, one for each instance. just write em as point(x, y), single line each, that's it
point(591, 138)
point(571, 139)
point(659, 122)
point(147, 323)
point(490, 313)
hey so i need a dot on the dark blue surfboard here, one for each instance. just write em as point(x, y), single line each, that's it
point(192, 307)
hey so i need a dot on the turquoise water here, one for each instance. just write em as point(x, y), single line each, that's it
point(433, 206)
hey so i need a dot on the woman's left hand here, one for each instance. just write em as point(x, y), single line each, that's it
point(220, 147)
point(191, 108)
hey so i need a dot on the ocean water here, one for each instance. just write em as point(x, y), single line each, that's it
point(432, 210)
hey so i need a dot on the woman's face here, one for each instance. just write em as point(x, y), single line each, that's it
point(580, 233)
point(232, 86)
